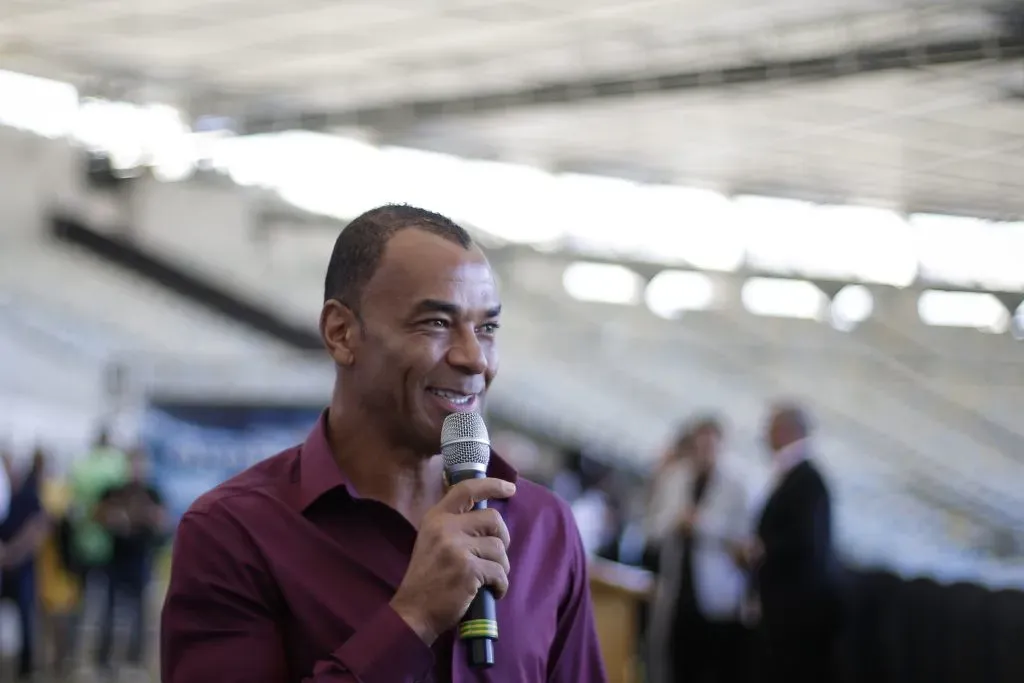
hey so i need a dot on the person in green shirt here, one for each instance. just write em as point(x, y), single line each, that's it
point(103, 468)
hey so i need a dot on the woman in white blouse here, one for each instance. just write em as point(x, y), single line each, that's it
point(699, 519)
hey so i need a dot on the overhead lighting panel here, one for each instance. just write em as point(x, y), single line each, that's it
point(970, 252)
point(671, 293)
point(781, 298)
point(963, 309)
point(602, 283)
point(852, 305)
point(39, 105)
point(682, 225)
point(861, 244)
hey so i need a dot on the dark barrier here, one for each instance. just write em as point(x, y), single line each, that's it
point(127, 255)
point(920, 631)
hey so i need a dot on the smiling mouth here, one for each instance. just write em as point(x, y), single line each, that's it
point(456, 399)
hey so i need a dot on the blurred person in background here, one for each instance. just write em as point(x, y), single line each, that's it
point(797, 572)
point(104, 467)
point(663, 507)
point(5, 496)
point(595, 513)
point(568, 481)
point(133, 514)
point(22, 534)
point(696, 634)
point(633, 509)
point(665, 502)
point(5, 487)
point(60, 585)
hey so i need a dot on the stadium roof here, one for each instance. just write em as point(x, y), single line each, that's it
point(915, 104)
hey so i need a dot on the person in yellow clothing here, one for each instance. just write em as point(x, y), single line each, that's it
point(60, 588)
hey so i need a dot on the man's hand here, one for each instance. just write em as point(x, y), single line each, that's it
point(458, 551)
point(751, 553)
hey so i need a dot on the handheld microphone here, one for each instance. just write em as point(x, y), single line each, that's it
point(466, 448)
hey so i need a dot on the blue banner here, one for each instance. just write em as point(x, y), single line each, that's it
point(196, 446)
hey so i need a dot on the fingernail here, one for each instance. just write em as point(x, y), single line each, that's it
point(509, 488)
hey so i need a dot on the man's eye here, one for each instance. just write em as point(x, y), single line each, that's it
point(489, 328)
point(437, 323)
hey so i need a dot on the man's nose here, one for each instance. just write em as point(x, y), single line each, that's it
point(467, 353)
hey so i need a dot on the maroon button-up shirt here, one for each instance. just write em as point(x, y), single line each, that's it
point(283, 574)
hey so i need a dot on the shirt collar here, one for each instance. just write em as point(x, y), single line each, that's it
point(319, 473)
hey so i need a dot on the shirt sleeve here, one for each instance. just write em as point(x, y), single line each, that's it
point(576, 654)
point(219, 621)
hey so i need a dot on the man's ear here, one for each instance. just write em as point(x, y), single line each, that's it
point(339, 330)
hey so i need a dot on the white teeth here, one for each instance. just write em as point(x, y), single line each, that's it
point(457, 399)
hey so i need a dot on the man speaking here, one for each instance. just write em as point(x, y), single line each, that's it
point(347, 558)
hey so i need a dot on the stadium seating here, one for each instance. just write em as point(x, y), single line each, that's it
point(927, 445)
point(146, 318)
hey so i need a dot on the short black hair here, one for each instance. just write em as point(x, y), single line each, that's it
point(360, 246)
point(794, 417)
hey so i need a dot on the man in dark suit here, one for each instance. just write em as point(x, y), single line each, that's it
point(796, 570)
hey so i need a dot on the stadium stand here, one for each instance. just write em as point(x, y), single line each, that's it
point(875, 412)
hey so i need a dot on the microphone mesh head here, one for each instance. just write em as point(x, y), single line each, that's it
point(464, 440)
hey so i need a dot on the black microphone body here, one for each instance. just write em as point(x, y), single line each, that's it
point(466, 448)
point(479, 627)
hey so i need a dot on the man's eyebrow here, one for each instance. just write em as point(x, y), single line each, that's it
point(448, 308)
point(435, 306)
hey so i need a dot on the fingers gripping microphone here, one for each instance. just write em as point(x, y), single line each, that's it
point(466, 449)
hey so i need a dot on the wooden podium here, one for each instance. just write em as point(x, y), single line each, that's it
point(617, 592)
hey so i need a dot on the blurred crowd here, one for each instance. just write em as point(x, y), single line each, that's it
point(746, 575)
point(747, 585)
point(77, 556)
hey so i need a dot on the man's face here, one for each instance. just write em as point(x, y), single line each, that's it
point(427, 345)
point(705, 445)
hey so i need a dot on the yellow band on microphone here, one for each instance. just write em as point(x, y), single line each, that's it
point(479, 628)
